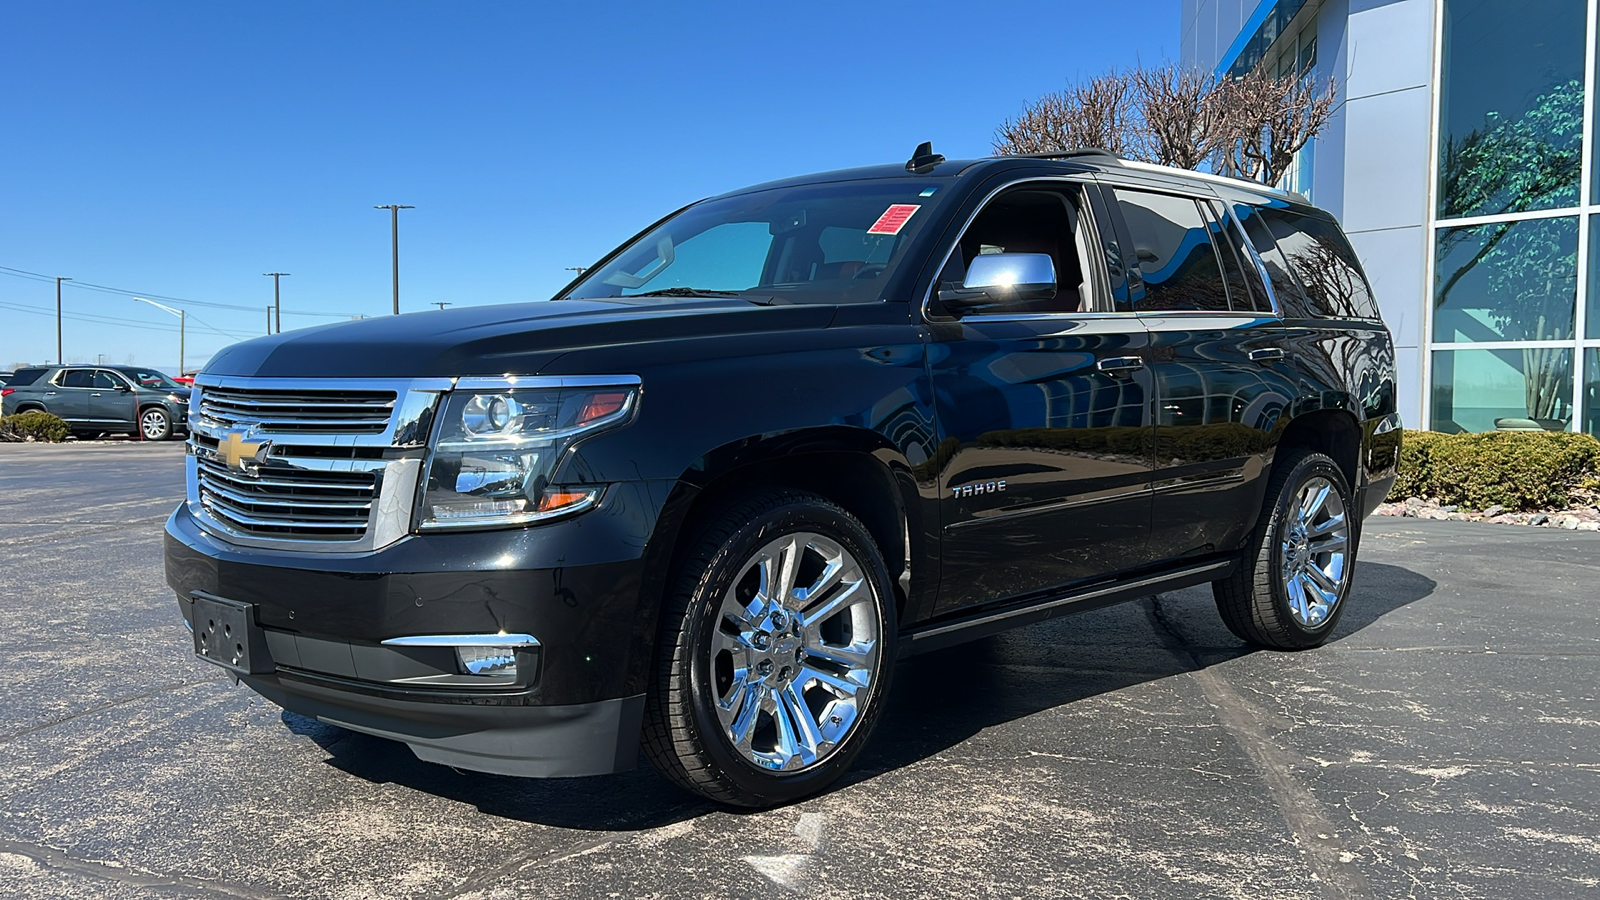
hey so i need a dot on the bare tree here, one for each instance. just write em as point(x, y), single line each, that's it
point(1183, 115)
point(1270, 118)
point(1251, 126)
point(1096, 113)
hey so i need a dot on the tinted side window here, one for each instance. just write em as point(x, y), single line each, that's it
point(1245, 290)
point(1175, 252)
point(24, 376)
point(1284, 286)
point(105, 380)
point(1322, 259)
point(78, 378)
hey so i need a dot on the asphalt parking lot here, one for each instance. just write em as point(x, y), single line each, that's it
point(1445, 744)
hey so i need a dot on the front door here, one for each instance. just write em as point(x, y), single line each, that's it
point(112, 401)
point(1043, 414)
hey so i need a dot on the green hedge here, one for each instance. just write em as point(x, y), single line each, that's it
point(41, 426)
point(1523, 470)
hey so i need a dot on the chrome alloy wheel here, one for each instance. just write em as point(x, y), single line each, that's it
point(154, 424)
point(1315, 550)
point(794, 653)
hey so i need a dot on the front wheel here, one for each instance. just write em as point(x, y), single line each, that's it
point(1289, 588)
point(155, 424)
point(775, 652)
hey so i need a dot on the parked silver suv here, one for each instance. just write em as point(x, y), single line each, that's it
point(101, 399)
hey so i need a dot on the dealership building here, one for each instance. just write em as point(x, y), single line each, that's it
point(1461, 161)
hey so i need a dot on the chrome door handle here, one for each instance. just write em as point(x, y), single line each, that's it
point(95, 394)
point(1120, 364)
point(1266, 354)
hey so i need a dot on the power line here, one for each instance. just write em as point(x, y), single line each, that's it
point(116, 320)
point(89, 286)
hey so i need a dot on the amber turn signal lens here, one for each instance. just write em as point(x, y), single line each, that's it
point(554, 500)
point(598, 406)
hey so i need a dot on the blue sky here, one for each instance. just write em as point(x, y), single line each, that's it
point(182, 149)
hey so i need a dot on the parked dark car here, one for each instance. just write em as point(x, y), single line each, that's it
point(780, 439)
point(101, 399)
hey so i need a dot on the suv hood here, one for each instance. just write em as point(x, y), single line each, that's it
point(518, 338)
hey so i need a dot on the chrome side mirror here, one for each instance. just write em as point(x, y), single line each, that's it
point(995, 279)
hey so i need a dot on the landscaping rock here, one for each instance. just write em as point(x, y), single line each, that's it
point(1493, 511)
point(1589, 526)
point(1570, 523)
point(1539, 519)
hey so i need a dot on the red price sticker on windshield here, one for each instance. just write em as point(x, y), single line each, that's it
point(893, 219)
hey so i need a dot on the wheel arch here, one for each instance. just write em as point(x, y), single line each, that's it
point(856, 468)
point(1333, 432)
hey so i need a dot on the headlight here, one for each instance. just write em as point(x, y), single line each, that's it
point(495, 450)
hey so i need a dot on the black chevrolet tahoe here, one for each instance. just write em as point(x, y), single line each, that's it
point(703, 501)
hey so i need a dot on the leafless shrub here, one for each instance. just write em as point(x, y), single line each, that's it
point(1096, 113)
point(1270, 118)
point(1251, 126)
point(1183, 115)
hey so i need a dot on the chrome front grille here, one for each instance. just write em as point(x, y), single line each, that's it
point(308, 464)
point(298, 410)
point(335, 506)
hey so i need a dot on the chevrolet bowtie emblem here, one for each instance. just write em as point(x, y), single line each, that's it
point(235, 450)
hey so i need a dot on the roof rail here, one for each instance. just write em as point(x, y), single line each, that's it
point(1090, 153)
point(1243, 183)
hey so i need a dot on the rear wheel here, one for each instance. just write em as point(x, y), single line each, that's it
point(775, 652)
point(1289, 588)
point(155, 424)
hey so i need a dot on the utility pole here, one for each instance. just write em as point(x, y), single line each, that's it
point(269, 320)
point(394, 236)
point(276, 309)
point(59, 358)
point(442, 305)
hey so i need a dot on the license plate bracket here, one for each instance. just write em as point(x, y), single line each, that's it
point(226, 633)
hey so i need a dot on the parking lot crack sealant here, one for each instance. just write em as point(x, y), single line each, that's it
point(1324, 845)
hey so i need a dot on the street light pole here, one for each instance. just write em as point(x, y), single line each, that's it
point(394, 237)
point(60, 360)
point(182, 323)
point(276, 309)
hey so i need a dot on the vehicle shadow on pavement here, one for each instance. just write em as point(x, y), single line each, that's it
point(937, 701)
point(943, 698)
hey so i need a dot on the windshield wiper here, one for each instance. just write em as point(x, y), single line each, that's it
point(687, 292)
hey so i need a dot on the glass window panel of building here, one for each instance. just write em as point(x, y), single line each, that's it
point(1510, 126)
point(1508, 281)
point(1510, 106)
point(1523, 389)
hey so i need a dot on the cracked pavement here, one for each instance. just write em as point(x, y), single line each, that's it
point(1443, 745)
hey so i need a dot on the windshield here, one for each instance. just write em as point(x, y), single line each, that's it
point(815, 243)
point(150, 378)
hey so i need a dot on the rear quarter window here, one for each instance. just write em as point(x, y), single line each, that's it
point(1317, 252)
point(24, 376)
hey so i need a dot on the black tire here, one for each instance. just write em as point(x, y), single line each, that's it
point(154, 424)
point(682, 733)
point(1255, 600)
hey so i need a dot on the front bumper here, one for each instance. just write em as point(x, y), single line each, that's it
point(578, 585)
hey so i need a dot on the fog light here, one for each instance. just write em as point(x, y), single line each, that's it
point(488, 660)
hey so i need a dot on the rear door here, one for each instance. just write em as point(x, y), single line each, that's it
point(1214, 346)
point(67, 395)
point(1043, 411)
